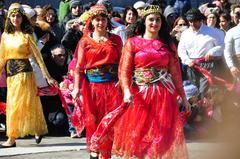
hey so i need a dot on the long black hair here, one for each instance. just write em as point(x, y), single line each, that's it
point(135, 13)
point(138, 28)
point(26, 27)
point(47, 8)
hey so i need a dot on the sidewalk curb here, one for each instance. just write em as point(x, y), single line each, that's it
point(38, 149)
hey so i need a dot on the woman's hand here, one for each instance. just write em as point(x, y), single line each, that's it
point(191, 63)
point(52, 82)
point(75, 93)
point(187, 105)
point(128, 98)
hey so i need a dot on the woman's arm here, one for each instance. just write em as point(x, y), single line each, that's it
point(2, 56)
point(79, 69)
point(175, 71)
point(126, 70)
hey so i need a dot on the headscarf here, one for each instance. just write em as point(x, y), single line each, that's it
point(13, 8)
point(98, 9)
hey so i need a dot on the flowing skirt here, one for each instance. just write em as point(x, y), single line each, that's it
point(98, 100)
point(24, 110)
point(151, 128)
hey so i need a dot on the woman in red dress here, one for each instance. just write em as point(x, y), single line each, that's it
point(150, 78)
point(96, 78)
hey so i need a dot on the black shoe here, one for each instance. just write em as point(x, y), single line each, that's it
point(39, 139)
point(8, 146)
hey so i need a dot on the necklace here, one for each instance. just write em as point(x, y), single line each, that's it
point(99, 39)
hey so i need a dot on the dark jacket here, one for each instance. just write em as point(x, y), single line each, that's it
point(71, 38)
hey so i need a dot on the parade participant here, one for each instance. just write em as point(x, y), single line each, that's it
point(24, 111)
point(97, 64)
point(150, 79)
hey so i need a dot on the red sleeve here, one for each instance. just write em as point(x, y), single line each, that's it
point(79, 70)
point(118, 42)
point(126, 66)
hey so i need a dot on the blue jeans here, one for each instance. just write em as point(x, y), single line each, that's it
point(71, 129)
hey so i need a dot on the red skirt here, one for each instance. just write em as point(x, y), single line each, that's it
point(151, 127)
point(99, 99)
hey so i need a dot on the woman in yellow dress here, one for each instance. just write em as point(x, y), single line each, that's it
point(24, 111)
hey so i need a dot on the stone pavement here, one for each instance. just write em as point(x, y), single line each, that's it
point(66, 147)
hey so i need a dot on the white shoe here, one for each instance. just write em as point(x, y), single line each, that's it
point(74, 135)
point(2, 127)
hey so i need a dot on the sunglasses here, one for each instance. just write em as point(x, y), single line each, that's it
point(211, 17)
point(82, 23)
point(182, 24)
point(59, 55)
point(75, 6)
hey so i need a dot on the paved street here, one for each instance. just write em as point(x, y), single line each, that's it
point(65, 147)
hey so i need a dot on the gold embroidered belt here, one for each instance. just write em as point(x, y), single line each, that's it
point(145, 76)
point(15, 66)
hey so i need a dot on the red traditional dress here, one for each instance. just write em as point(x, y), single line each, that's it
point(99, 64)
point(151, 127)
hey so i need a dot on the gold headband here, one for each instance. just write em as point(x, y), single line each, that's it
point(151, 9)
point(14, 8)
point(97, 10)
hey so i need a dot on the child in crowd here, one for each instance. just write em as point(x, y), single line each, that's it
point(215, 95)
point(201, 112)
point(75, 128)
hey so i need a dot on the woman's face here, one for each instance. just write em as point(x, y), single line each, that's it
point(223, 23)
point(16, 19)
point(76, 10)
point(50, 16)
point(211, 20)
point(100, 23)
point(153, 23)
point(130, 17)
point(181, 23)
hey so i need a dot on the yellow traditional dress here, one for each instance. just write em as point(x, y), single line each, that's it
point(24, 110)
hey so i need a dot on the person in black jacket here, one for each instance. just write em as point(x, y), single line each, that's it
point(75, 11)
point(74, 33)
point(55, 27)
point(54, 113)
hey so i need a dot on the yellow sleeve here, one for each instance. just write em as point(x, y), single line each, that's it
point(37, 55)
point(2, 54)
